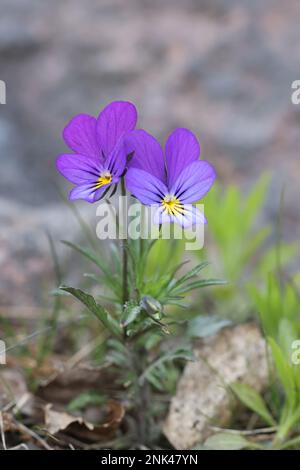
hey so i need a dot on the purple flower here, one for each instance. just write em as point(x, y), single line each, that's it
point(99, 157)
point(172, 184)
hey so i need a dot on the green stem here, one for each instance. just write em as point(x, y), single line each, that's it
point(141, 397)
point(142, 241)
point(141, 261)
point(142, 246)
point(292, 442)
point(138, 354)
point(284, 430)
point(124, 247)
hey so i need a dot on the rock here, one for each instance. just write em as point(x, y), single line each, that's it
point(235, 354)
point(25, 255)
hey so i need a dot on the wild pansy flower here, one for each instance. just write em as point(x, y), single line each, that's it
point(172, 183)
point(99, 157)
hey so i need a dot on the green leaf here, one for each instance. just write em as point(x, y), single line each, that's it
point(226, 441)
point(92, 256)
point(192, 273)
point(100, 312)
point(291, 444)
point(57, 293)
point(268, 261)
point(284, 372)
point(255, 199)
point(87, 253)
point(197, 285)
point(178, 353)
point(168, 280)
point(164, 256)
point(155, 382)
point(130, 314)
point(287, 334)
point(232, 216)
point(251, 398)
point(254, 243)
point(86, 399)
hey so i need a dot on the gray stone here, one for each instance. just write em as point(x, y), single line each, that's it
point(234, 354)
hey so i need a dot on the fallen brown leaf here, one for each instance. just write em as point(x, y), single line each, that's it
point(77, 426)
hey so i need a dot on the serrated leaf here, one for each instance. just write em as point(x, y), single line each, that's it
point(100, 312)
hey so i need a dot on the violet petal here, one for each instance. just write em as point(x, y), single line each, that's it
point(144, 186)
point(113, 122)
point(194, 181)
point(182, 148)
point(80, 135)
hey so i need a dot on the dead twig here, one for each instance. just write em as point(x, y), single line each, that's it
point(25, 430)
point(250, 432)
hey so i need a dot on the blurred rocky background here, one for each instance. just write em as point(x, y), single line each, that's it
point(223, 68)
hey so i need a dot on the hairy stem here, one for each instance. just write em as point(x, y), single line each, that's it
point(124, 248)
point(138, 354)
point(142, 242)
point(141, 397)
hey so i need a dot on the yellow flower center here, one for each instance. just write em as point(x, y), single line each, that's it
point(104, 178)
point(172, 205)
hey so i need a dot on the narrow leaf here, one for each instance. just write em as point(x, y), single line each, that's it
point(251, 398)
point(100, 312)
point(226, 441)
point(197, 285)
